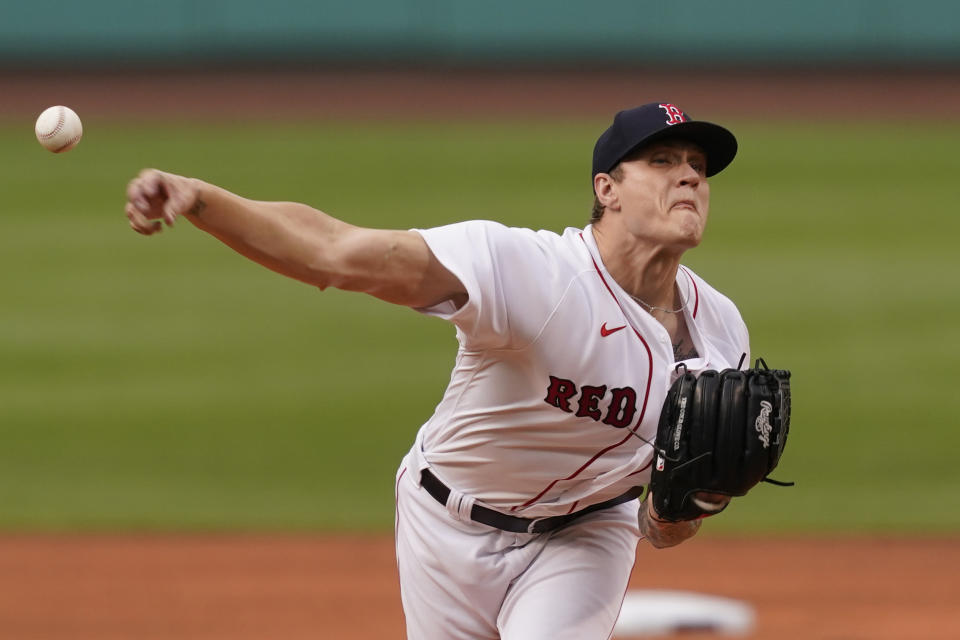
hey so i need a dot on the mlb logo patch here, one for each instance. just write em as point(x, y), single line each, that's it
point(660, 463)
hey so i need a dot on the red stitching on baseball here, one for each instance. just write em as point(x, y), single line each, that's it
point(61, 121)
point(68, 144)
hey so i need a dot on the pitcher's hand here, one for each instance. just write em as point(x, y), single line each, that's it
point(156, 197)
point(662, 533)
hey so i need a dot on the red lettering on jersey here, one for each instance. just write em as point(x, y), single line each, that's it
point(619, 413)
point(589, 397)
point(623, 406)
point(559, 393)
point(674, 115)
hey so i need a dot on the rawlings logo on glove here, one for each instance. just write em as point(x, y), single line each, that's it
point(719, 433)
point(763, 423)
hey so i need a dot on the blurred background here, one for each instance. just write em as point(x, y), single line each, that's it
point(192, 446)
point(166, 384)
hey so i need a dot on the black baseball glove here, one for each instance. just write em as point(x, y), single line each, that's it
point(719, 433)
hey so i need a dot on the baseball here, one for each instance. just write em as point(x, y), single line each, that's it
point(710, 502)
point(59, 129)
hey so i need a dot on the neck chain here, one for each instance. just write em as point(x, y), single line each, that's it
point(651, 308)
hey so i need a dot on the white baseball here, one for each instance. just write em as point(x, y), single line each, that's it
point(59, 129)
point(710, 502)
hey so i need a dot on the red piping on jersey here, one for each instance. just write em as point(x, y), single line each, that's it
point(642, 469)
point(643, 408)
point(396, 522)
point(696, 292)
point(396, 503)
point(396, 489)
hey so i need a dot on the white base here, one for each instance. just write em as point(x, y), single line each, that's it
point(662, 612)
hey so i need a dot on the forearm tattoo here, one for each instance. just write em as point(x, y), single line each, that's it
point(666, 534)
point(197, 208)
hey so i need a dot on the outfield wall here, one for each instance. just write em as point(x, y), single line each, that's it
point(756, 32)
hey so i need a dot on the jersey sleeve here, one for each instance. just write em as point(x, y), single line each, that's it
point(504, 271)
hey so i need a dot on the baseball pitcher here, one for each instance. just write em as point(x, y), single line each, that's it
point(593, 370)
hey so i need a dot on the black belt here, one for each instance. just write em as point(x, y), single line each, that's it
point(492, 518)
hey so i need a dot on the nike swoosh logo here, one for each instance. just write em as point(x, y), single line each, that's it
point(605, 332)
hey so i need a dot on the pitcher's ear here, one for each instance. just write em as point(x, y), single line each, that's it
point(604, 187)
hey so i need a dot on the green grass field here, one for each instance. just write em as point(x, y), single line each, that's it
point(165, 383)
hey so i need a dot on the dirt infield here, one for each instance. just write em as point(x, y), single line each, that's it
point(245, 588)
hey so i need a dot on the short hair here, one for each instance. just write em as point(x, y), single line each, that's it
point(617, 174)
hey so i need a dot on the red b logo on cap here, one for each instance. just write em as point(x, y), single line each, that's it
point(674, 115)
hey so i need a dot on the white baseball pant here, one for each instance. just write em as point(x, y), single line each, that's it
point(461, 580)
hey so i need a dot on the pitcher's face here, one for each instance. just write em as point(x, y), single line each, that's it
point(664, 195)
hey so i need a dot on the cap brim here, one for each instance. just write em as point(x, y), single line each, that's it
point(717, 142)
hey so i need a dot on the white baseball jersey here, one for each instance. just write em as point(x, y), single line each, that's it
point(557, 369)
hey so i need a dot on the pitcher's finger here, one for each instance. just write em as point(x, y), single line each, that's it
point(139, 222)
point(137, 195)
point(176, 205)
point(145, 185)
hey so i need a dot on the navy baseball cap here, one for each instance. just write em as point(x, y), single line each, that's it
point(634, 128)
